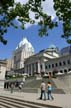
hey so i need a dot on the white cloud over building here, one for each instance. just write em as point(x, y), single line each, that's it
point(47, 8)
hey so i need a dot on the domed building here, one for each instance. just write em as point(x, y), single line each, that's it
point(22, 51)
point(53, 48)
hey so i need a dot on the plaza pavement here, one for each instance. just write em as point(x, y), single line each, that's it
point(61, 100)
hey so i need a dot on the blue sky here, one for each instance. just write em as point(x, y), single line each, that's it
point(31, 32)
point(14, 36)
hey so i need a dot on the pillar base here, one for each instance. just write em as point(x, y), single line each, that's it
point(38, 77)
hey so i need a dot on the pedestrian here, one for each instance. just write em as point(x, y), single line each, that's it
point(43, 90)
point(20, 86)
point(49, 91)
point(12, 87)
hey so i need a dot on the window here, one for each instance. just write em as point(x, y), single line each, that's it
point(56, 64)
point(68, 61)
point(60, 64)
point(65, 71)
point(46, 67)
point(41, 66)
point(64, 63)
point(49, 66)
point(69, 69)
point(61, 71)
point(52, 65)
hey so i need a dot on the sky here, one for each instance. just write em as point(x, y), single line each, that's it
point(14, 36)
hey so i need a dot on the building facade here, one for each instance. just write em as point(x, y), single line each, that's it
point(48, 61)
point(22, 51)
point(36, 63)
point(66, 50)
point(2, 72)
point(9, 64)
point(61, 65)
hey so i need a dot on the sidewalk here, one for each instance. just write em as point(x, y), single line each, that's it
point(62, 100)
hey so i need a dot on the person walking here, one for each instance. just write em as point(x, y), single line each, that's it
point(49, 91)
point(12, 87)
point(43, 90)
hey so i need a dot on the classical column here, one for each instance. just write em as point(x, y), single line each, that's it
point(38, 67)
point(43, 67)
point(31, 70)
point(28, 69)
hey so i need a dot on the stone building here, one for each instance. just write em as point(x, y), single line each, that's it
point(36, 63)
point(22, 51)
point(2, 72)
point(49, 61)
point(9, 64)
point(60, 65)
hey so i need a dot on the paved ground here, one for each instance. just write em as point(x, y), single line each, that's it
point(63, 100)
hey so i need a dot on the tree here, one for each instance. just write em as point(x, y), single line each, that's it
point(63, 11)
point(9, 11)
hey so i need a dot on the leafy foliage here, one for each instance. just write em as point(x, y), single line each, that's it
point(9, 11)
point(63, 11)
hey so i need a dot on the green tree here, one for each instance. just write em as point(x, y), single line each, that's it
point(63, 11)
point(9, 11)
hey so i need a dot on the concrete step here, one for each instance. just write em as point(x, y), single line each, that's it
point(10, 104)
point(60, 85)
point(3, 104)
point(19, 103)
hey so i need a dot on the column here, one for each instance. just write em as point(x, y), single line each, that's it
point(31, 70)
point(43, 66)
point(38, 68)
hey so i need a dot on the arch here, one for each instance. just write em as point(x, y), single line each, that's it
point(55, 71)
point(65, 71)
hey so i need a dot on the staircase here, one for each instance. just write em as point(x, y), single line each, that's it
point(32, 85)
point(10, 102)
point(60, 85)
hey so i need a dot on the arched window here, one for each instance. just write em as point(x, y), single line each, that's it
point(68, 61)
point(49, 66)
point(60, 64)
point(56, 64)
point(65, 70)
point(64, 63)
point(69, 69)
point(46, 67)
point(41, 66)
point(61, 71)
point(52, 65)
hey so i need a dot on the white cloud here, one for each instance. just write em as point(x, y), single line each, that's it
point(47, 8)
point(28, 25)
point(22, 1)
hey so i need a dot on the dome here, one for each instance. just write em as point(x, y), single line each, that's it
point(29, 45)
point(52, 46)
point(23, 42)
